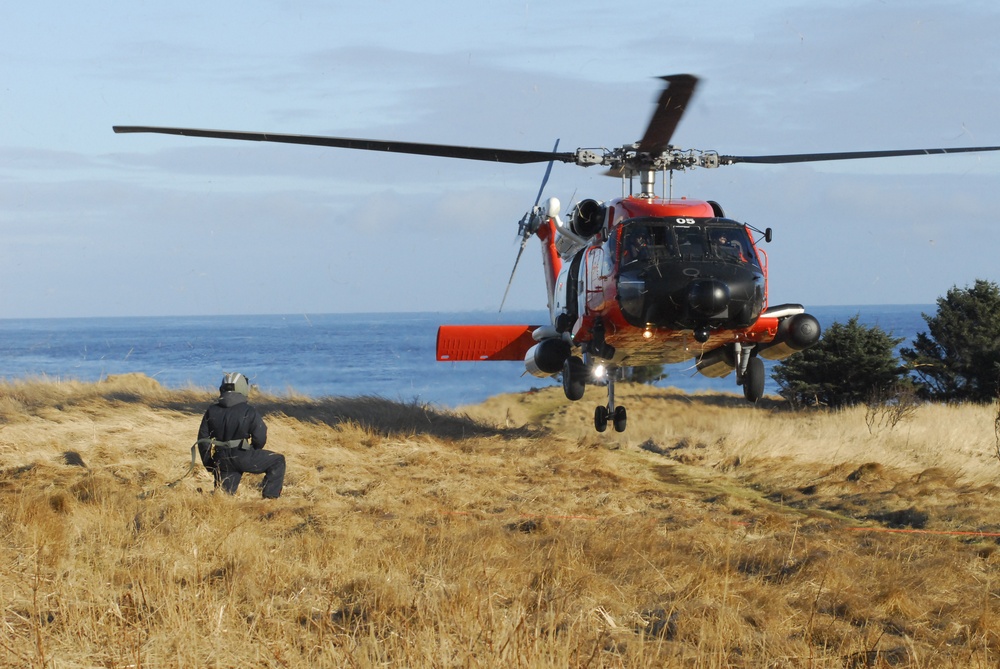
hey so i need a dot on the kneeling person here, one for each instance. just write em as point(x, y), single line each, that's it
point(231, 440)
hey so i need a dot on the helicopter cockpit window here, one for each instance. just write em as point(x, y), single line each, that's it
point(635, 243)
point(641, 241)
point(731, 244)
point(691, 241)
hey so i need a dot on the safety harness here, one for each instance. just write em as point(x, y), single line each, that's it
point(242, 444)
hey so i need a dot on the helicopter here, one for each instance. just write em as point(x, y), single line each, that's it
point(636, 280)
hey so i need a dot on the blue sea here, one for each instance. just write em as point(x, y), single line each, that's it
point(388, 355)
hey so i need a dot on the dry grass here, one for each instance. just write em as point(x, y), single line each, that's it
point(711, 534)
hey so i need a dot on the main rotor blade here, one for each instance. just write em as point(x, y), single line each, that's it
point(669, 109)
point(441, 150)
point(848, 155)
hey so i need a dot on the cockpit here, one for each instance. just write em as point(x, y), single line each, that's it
point(653, 240)
point(683, 272)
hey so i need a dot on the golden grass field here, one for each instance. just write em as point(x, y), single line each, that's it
point(507, 534)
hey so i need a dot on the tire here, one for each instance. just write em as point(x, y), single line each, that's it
point(601, 418)
point(753, 380)
point(574, 378)
point(621, 419)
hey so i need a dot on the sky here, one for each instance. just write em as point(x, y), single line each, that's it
point(98, 224)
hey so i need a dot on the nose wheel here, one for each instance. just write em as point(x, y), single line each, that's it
point(574, 378)
point(617, 415)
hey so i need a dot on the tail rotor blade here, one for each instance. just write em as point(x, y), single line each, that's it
point(528, 225)
point(524, 242)
point(545, 179)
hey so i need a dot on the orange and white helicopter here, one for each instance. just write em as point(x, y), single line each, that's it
point(631, 281)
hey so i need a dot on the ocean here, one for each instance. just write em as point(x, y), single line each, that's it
point(319, 355)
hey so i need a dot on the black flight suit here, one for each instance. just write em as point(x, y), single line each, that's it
point(231, 419)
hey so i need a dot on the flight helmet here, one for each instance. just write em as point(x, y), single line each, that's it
point(234, 381)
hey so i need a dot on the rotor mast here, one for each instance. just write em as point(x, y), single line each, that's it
point(647, 183)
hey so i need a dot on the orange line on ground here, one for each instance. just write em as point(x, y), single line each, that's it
point(901, 530)
point(887, 530)
point(525, 515)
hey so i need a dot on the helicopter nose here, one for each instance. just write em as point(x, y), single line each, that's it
point(708, 297)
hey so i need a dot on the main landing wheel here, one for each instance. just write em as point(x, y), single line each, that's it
point(574, 378)
point(753, 380)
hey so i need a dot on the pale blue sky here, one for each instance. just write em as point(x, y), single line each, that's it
point(98, 224)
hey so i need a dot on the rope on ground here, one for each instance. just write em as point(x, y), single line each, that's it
point(194, 461)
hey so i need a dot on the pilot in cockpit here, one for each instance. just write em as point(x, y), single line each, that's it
point(636, 245)
point(728, 248)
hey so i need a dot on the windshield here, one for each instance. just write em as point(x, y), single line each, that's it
point(730, 244)
point(656, 239)
point(642, 241)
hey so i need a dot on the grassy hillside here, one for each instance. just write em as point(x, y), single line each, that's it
point(710, 534)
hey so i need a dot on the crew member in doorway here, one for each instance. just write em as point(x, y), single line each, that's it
point(231, 440)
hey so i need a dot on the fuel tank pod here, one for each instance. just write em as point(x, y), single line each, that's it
point(547, 357)
point(717, 363)
point(795, 334)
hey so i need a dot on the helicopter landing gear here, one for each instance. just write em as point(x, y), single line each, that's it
point(749, 372)
point(574, 378)
point(617, 415)
point(618, 418)
point(601, 418)
point(753, 380)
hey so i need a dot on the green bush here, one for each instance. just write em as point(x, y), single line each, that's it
point(644, 374)
point(959, 357)
point(850, 364)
